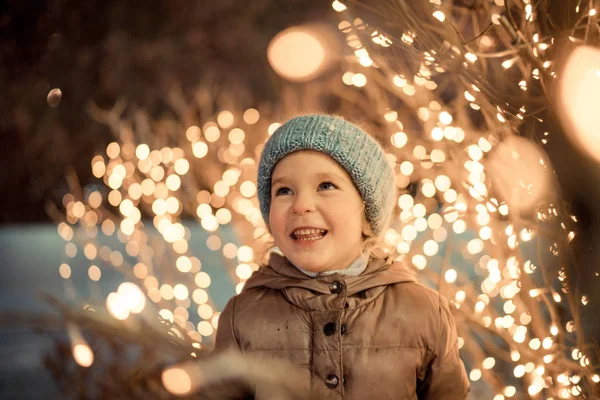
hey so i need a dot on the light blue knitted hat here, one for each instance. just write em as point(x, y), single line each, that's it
point(350, 146)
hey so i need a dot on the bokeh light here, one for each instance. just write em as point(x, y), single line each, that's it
point(577, 103)
point(297, 54)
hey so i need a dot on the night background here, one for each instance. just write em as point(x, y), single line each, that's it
point(168, 65)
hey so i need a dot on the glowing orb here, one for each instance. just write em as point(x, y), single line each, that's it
point(296, 54)
point(177, 381)
point(83, 355)
point(131, 297)
point(578, 99)
point(182, 379)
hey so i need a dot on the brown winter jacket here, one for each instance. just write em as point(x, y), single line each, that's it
point(379, 335)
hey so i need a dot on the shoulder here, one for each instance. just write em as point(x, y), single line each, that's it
point(424, 303)
point(417, 293)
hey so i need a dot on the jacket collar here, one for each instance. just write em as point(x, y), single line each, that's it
point(281, 274)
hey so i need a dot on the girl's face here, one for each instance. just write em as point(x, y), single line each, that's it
point(316, 212)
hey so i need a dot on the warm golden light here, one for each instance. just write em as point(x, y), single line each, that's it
point(337, 6)
point(439, 15)
point(94, 273)
point(243, 271)
point(359, 80)
point(182, 166)
point(205, 311)
point(177, 381)
point(83, 355)
point(200, 149)
point(399, 139)
point(202, 279)
point(475, 374)
point(519, 172)
point(225, 119)
point(193, 133)
point(245, 254)
point(180, 292)
point(273, 127)
point(578, 103)
point(200, 296)
point(239, 287)
point(297, 54)
point(237, 136)
point(131, 297)
point(223, 216)
point(251, 116)
point(113, 149)
point(65, 271)
point(116, 307)
point(184, 264)
point(166, 291)
point(95, 199)
point(205, 328)
point(210, 223)
point(142, 151)
point(213, 242)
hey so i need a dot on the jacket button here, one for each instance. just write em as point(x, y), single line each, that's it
point(329, 328)
point(335, 287)
point(331, 381)
point(343, 329)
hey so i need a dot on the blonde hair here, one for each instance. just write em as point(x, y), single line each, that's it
point(373, 244)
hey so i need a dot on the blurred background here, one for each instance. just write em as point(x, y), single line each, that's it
point(87, 83)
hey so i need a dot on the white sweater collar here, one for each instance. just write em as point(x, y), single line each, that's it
point(355, 268)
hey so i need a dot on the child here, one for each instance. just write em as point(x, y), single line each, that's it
point(357, 325)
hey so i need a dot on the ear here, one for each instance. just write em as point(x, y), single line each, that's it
point(366, 227)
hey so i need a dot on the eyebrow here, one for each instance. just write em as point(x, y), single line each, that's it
point(320, 175)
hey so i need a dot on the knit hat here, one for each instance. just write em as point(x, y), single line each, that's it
point(357, 152)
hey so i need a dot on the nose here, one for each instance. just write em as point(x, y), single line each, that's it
point(303, 203)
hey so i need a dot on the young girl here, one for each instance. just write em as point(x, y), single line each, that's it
point(355, 325)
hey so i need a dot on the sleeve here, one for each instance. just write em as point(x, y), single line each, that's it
point(446, 377)
point(226, 338)
point(227, 388)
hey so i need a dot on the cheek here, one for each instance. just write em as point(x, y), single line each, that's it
point(277, 219)
point(350, 220)
point(274, 218)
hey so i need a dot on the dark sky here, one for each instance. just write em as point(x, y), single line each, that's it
point(101, 51)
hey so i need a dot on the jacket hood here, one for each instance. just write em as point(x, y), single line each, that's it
point(281, 274)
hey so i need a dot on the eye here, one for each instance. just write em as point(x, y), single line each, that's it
point(282, 191)
point(327, 186)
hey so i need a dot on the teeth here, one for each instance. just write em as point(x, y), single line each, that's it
point(308, 234)
point(308, 231)
point(311, 238)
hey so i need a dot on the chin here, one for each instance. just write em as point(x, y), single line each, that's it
point(307, 264)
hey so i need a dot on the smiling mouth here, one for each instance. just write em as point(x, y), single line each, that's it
point(308, 234)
